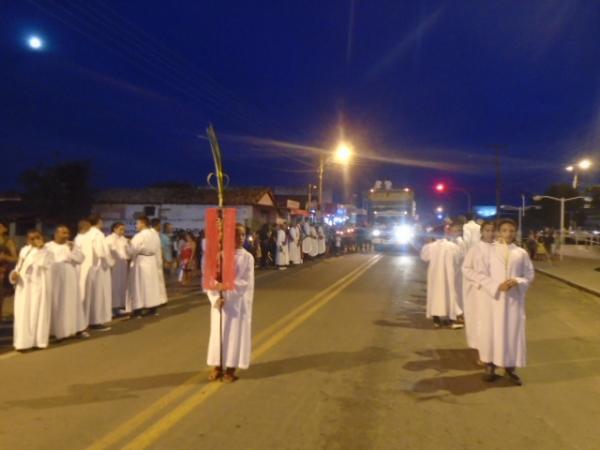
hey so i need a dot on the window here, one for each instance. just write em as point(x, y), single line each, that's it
point(149, 211)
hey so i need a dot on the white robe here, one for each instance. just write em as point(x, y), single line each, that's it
point(237, 317)
point(314, 245)
point(162, 287)
point(307, 240)
point(294, 249)
point(443, 278)
point(475, 299)
point(321, 243)
point(32, 305)
point(84, 243)
point(502, 338)
point(471, 234)
point(99, 285)
point(119, 249)
point(67, 316)
point(144, 290)
point(282, 257)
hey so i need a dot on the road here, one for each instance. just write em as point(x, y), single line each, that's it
point(343, 359)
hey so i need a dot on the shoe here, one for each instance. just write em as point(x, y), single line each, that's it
point(513, 377)
point(230, 376)
point(457, 326)
point(83, 335)
point(436, 325)
point(489, 375)
point(101, 328)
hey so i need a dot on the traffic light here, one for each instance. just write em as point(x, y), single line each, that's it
point(440, 187)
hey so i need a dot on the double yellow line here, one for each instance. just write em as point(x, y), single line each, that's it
point(264, 341)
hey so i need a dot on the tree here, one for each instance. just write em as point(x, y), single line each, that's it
point(60, 193)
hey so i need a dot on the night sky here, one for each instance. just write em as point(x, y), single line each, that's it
point(131, 84)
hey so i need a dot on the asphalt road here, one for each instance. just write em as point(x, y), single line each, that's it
point(343, 359)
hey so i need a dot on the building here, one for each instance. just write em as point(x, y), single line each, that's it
point(184, 207)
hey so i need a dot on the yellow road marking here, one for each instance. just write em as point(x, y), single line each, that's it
point(138, 420)
point(153, 433)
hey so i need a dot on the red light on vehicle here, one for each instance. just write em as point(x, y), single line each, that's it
point(440, 187)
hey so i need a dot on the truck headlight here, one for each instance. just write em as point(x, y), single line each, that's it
point(376, 233)
point(404, 234)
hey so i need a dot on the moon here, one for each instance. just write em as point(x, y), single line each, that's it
point(35, 42)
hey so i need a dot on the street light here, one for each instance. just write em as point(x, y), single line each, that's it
point(342, 155)
point(439, 209)
point(35, 42)
point(584, 164)
point(562, 201)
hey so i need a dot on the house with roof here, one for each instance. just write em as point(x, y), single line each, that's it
point(184, 206)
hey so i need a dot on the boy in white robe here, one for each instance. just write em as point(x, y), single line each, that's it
point(162, 288)
point(506, 274)
point(99, 284)
point(119, 248)
point(306, 240)
point(32, 303)
point(84, 243)
point(444, 279)
point(144, 290)
point(475, 299)
point(321, 242)
point(236, 311)
point(281, 255)
point(471, 232)
point(67, 317)
point(314, 243)
point(294, 249)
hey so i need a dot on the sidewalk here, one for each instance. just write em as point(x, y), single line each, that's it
point(582, 273)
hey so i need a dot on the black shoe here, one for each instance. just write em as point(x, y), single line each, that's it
point(489, 375)
point(513, 377)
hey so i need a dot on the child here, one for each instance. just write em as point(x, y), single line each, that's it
point(505, 273)
point(32, 294)
point(236, 311)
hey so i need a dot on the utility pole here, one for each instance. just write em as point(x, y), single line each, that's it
point(497, 148)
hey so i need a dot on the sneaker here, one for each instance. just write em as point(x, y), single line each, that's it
point(457, 326)
point(100, 327)
point(83, 335)
point(489, 375)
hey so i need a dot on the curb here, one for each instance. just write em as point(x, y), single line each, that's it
point(570, 283)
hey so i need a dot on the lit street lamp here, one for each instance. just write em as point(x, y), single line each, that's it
point(342, 155)
point(584, 164)
point(35, 42)
point(562, 201)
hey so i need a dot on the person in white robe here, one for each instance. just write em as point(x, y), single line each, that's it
point(282, 259)
point(32, 301)
point(234, 314)
point(471, 233)
point(144, 290)
point(476, 300)
point(162, 287)
point(444, 279)
point(314, 244)
point(321, 241)
point(294, 245)
point(67, 318)
point(306, 240)
point(99, 284)
point(84, 243)
point(119, 248)
point(506, 274)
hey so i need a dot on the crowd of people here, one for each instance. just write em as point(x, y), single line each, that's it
point(477, 279)
point(65, 288)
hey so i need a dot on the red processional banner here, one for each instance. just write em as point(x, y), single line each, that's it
point(219, 254)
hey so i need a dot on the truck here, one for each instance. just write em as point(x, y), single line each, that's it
point(393, 215)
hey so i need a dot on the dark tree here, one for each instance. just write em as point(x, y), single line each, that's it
point(60, 193)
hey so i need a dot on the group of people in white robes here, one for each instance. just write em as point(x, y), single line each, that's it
point(64, 287)
point(298, 242)
point(482, 279)
point(314, 242)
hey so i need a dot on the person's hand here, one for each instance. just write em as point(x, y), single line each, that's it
point(71, 245)
point(220, 303)
point(507, 285)
point(219, 287)
point(14, 277)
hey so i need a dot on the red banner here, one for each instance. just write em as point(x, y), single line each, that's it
point(219, 254)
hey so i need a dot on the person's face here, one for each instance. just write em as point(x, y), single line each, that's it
point(169, 228)
point(100, 224)
point(35, 240)
point(139, 225)
point(120, 230)
point(240, 236)
point(62, 235)
point(487, 233)
point(507, 233)
point(454, 231)
point(157, 227)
